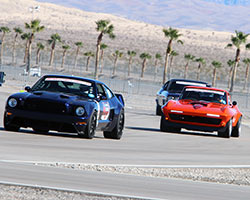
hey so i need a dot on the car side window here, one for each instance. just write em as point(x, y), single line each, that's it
point(109, 94)
point(100, 90)
point(165, 87)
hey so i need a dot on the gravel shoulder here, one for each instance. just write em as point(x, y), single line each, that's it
point(234, 175)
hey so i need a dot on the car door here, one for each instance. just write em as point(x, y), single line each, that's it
point(105, 106)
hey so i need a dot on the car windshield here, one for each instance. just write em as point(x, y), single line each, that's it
point(178, 86)
point(204, 95)
point(65, 85)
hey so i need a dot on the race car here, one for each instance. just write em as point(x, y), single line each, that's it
point(172, 90)
point(202, 109)
point(67, 104)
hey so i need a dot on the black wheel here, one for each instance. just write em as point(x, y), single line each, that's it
point(228, 132)
point(8, 126)
point(90, 128)
point(116, 133)
point(158, 110)
point(38, 130)
point(237, 129)
point(165, 128)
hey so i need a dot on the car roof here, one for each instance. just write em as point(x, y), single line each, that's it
point(187, 80)
point(207, 88)
point(74, 77)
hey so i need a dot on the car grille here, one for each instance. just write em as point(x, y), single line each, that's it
point(44, 106)
point(196, 119)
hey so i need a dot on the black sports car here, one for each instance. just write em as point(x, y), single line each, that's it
point(67, 104)
point(172, 90)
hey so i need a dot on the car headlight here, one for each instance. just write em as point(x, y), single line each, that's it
point(12, 102)
point(80, 111)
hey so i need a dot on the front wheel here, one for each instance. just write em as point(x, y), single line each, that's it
point(90, 129)
point(8, 126)
point(165, 128)
point(237, 129)
point(228, 132)
point(117, 132)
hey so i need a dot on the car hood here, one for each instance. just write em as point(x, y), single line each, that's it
point(51, 97)
point(198, 107)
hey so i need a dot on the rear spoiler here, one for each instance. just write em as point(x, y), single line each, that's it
point(120, 98)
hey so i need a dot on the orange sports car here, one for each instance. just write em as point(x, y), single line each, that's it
point(202, 109)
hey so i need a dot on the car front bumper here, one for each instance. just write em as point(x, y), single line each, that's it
point(39, 120)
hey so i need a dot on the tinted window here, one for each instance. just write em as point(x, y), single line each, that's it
point(108, 92)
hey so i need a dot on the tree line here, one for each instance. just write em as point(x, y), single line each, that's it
point(105, 28)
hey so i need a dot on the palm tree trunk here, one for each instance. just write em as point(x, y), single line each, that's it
point(98, 47)
point(229, 77)
point(129, 65)
point(168, 51)
point(237, 59)
point(52, 53)
point(63, 58)
point(214, 77)
point(143, 68)
point(156, 68)
point(114, 68)
point(2, 46)
point(87, 64)
point(246, 77)
point(14, 50)
point(198, 72)
point(186, 70)
point(170, 66)
point(26, 51)
point(77, 52)
point(38, 56)
point(101, 61)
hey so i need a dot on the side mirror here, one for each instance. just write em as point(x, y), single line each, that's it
point(27, 88)
point(234, 103)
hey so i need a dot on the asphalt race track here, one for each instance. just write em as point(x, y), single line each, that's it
point(142, 144)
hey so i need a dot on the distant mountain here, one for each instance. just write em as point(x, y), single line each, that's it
point(220, 15)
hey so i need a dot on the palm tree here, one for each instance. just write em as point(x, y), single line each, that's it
point(172, 34)
point(54, 38)
point(247, 63)
point(230, 63)
point(144, 57)
point(89, 55)
point(216, 65)
point(34, 28)
point(78, 46)
point(116, 55)
point(104, 27)
point(18, 31)
point(189, 58)
point(237, 41)
point(172, 55)
point(4, 30)
point(157, 59)
point(201, 62)
point(65, 49)
point(26, 37)
point(131, 54)
point(102, 47)
point(40, 47)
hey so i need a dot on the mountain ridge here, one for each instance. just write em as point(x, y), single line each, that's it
point(196, 14)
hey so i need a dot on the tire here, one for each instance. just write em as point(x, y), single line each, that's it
point(158, 110)
point(8, 126)
point(165, 128)
point(228, 132)
point(237, 129)
point(117, 132)
point(90, 129)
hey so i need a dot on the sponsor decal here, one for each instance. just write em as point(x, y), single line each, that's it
point(105, 110)
point(203, 90)
point(69, 80)
point(190, 83)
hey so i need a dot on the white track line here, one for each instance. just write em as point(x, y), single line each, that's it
point(127, 165)
point(73, 190)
